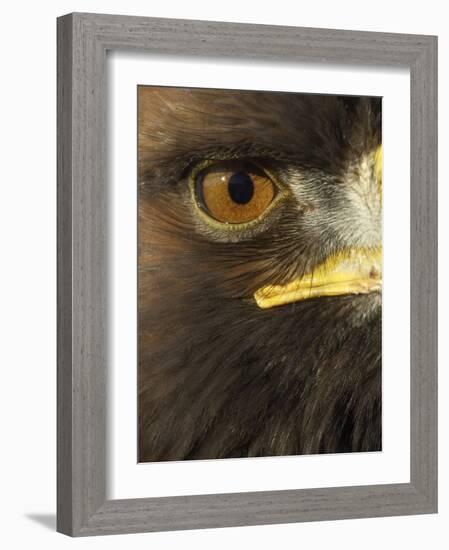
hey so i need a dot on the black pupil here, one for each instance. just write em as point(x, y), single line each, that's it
point(241, 187)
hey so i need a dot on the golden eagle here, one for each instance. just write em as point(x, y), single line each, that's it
point(259, 273)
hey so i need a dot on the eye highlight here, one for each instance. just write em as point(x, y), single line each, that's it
point(234, 192)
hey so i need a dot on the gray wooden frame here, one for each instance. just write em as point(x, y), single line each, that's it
point(83, 40)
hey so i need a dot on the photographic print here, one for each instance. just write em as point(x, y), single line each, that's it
point(259, 274)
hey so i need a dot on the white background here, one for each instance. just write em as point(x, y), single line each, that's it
point(392, 465)
point(27, 299)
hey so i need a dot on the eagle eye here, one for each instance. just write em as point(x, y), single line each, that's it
point(234, 192)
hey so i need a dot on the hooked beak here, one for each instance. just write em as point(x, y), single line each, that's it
point(355, 271)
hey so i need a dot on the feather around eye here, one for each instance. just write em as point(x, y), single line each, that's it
point(233, 192)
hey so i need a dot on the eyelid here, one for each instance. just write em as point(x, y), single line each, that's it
point(202, 165)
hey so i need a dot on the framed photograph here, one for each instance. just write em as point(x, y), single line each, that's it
point(247, 274)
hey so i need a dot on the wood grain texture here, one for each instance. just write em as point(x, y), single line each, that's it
point(64, 277)
point(83, 40)
point(423, 274)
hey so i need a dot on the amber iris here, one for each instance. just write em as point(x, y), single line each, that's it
point(234, 192)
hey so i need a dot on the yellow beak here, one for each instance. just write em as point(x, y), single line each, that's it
point(348, 272)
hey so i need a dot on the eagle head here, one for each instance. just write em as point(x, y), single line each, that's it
point(259, 273)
